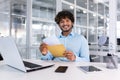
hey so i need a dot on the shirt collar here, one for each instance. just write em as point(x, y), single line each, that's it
point(61, 36)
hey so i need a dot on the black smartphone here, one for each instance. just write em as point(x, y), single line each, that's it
point(61, 69)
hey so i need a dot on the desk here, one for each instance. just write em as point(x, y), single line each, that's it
point(72, 73)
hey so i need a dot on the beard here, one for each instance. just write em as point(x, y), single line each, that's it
point(67, 30)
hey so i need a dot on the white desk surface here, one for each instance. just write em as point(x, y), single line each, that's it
point(72, 73)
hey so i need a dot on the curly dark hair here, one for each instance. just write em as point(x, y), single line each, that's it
point(64, 14)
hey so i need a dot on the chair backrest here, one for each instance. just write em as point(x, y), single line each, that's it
point(1, 58)
point(102, 40)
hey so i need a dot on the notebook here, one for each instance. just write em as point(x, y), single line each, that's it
point(11, 56)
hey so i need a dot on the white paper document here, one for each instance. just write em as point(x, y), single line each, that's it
point(52, 40)
point(54, 46)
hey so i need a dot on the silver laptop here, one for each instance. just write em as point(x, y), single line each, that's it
point(12, 57)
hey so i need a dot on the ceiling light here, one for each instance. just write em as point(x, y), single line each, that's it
point(94, 15)
point(101, 17)
point(71, 7)
point(84, 12)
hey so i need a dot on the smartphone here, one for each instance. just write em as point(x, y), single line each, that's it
point(61, 69)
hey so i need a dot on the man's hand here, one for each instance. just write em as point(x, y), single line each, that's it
point(43, 49)
point(69, 55)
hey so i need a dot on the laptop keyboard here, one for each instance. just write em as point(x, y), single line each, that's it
point(31, 65)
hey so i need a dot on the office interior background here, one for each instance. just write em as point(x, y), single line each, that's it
point(30, 21)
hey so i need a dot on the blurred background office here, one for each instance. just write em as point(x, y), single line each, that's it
point(30, 21)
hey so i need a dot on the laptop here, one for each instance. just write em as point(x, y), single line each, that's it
point(11, 56)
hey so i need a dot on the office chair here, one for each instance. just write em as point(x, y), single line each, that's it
point(1, 58)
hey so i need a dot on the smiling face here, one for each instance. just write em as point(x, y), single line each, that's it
point(65, 20)
point(65, 25)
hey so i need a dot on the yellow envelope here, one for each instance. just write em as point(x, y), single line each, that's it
point(57, 50)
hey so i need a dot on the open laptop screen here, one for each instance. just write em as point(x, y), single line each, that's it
point(12, 57)
point(10, 53)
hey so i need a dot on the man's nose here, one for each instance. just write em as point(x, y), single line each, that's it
point(65, 22)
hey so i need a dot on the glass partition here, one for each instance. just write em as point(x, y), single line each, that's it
point(4, 17)
point(4, 6)
point(82, 31)
point(82, 3)
point(43, 25)
point(100, 21)
point(81, 18)
point(44, 9)
point(71, 1)
point(101, 8)
point(4, 25)
point(106, 11)
point(92, 37)
point(41, 30)
point(18, 20)
point(92, 5)
point(18, 30)
point(68, 7)
point(92, 20)
point(18, 27)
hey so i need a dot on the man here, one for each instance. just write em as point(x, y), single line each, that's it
point(76, 45)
